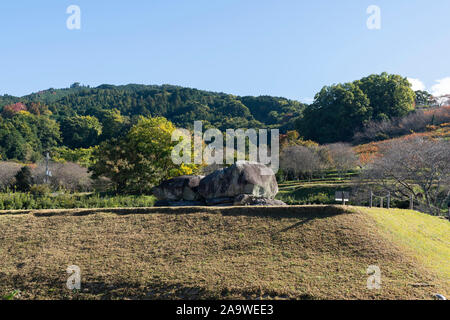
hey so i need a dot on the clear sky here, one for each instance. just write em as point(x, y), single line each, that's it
point(288, 48)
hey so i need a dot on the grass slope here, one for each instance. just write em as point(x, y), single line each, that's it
point(309, 252)
point(420, 235)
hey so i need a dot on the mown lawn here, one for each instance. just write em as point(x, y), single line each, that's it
point(309, 252)
point(314, 192)
point(425, 237)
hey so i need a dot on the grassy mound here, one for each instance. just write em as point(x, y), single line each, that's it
point(309, 252)
point(424, 237)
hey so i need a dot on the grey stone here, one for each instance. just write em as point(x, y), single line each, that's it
point(179, 188)
point(241, 178)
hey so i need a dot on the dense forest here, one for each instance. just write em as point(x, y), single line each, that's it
point(83, 117)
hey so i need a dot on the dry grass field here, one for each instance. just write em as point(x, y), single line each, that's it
point(307, 252)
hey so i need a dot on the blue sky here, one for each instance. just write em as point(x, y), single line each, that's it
point(246, 47)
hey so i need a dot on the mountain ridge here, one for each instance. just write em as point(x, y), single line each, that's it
point(170, 101)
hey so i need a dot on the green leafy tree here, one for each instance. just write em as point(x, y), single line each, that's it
point(141, 159)
point(390, 95)
point(81, 156)
point(340, 110)
point(336, 112)
point(80, 131)
point(111, 160)
point(13, 145)
point(423, 98)
point(113, 123)
point(48, 132)
point(25, 136)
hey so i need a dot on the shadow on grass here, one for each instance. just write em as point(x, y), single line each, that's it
point(298, 224)
point(310, 217)
point(40, 286)
point(308, 212)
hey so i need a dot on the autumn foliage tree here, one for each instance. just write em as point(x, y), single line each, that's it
point(11, 110)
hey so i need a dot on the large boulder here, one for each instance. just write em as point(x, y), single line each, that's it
point(179, 188)
point(241, 178)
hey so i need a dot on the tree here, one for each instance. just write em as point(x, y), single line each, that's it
point(24, 179)
point(68, 176)
point(80, 131)
point(423, 98)
point(11, 110)
point(113, 124)
point(292, 138)
point(300, 161)
point(48, 133)
point(340, 110)
point(38, 108)
point(142, 158)
point(390, 95)
point(25, 136)
point(110, 160)
point(336, 113)
point(81, 156)
point(12, 144)
point(417, 167)
point(343, 158)
point(8, 171)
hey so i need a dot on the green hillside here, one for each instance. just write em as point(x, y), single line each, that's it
point(310, 252)
point(84, 117)
point(179, 104)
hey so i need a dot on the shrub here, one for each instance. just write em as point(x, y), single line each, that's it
point(40, 199)
point(24, 179)
point(40, 189)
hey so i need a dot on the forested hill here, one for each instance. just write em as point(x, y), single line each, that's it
point(180, 105)
point(83, 117)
